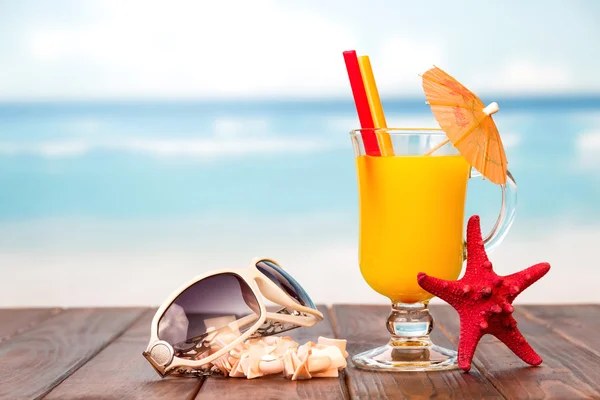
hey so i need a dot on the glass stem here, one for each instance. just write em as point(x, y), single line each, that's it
point(410, 324)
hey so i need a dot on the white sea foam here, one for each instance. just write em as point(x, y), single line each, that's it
point(510, 139)
point(233, 127)
point(232, 138)
point(588, 141)
point(587, 145)
point(202, 147)
point(85, 126)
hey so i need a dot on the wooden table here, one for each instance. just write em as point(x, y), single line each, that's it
point(96, 353)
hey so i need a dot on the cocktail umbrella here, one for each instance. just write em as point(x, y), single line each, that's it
point(467, 122)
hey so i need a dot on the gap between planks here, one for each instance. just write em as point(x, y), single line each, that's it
point(51, 350)
point(561, 331)
point(581, 320)
point(24, 324)
point(364, 327)
point(122, 368)
point(336, 334)
point(94, 354)
point(568, 370)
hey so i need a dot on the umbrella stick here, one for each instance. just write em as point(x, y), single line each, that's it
point(437, 147)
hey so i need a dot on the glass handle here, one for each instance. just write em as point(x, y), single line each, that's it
point(507, 212)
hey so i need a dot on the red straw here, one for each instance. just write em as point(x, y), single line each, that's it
point(362, 103)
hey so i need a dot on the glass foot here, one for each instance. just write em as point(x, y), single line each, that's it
point(410, 348)
point(416, 356)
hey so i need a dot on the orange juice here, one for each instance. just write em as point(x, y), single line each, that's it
point(411, 220)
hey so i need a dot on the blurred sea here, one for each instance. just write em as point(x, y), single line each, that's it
point(117, 193)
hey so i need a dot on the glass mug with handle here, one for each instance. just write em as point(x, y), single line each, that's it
point(411, 212)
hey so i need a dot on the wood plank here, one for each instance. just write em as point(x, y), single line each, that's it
point(579, 324)
point(568, 371)
point(277, 387)
point(364, 328)
point(16, 320)
point(36, 361)
point(121, 372)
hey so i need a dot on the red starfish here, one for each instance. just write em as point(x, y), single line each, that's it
point(484, 299)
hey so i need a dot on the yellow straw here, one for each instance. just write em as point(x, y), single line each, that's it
point(385, 142)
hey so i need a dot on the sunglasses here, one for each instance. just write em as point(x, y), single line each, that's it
point(229, 303)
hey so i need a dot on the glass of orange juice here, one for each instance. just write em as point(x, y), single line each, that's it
point(412, 212)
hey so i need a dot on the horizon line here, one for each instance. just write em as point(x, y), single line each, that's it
point(547, 98)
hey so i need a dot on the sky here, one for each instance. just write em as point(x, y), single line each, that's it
point(100, 49)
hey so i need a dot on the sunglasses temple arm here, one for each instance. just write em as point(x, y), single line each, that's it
point(305, 321)
point(277, 296)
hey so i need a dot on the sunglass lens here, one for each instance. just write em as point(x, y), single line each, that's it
point(286, 282)
point(223, 303)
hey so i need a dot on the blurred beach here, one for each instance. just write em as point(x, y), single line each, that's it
point(143, 143)
point(118, 203)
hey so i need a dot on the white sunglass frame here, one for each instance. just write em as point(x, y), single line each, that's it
point(161, 354)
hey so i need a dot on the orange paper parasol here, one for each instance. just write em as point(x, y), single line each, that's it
point(467, 122)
